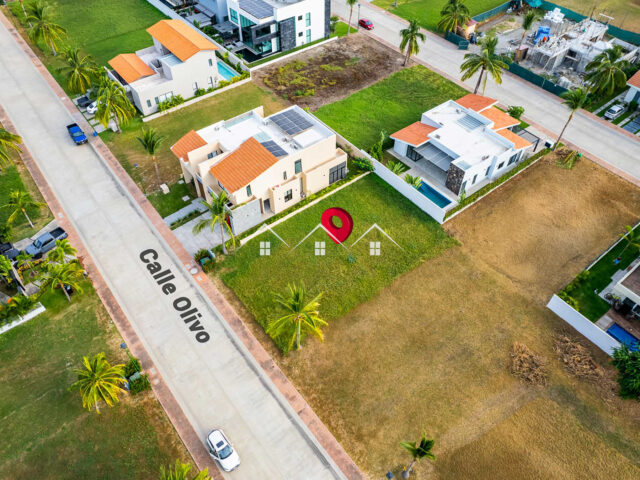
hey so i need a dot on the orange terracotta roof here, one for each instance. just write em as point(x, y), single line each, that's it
point(130, 67)
point(187, 144)
point(179, 38)
point(634, 80)
point(475, 102)
point(243, 165)
point(415, 134)
point(517, 140)
point(499, 118)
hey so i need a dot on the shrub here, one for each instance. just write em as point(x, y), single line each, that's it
point(139, 384)
point(200, 254)
point(223, 83)
point(376, 149)
point(209, 266)
point(633, 106)
point(628, 365)
point(199, 92)
point(5, 231)
point(572, 302)
point(132, 366)
point(363, 164)
point(515, 111)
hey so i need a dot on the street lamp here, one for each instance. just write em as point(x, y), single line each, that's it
point(358, 23)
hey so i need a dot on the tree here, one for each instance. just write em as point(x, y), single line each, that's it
point(218, 211)
point(632, 237)
point(351, 4)
point(8, 141)
point(606, 72)
point(418, 451)
point(60, 275)
point(454, 15)
point(98, 382)
point(628, 365)
point(5, 269)
point(25, 260)
point(301, 317)
point(113, 102)
point(80, 70)
point(42, 27)
point(410, 37)
point(485, 61)
point(151, 141)
point(395, 167)
point(62, 250)
point(527, 22)
point(179, 471)
point(574, 100)
point(414, 181)
point(19, 201)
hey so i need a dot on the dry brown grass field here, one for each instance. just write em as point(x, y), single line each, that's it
point(433, 349)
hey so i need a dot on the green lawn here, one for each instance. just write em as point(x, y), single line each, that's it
point(46, 433)
point(388, 105)
point(589, 303)
point(428, 11)
point(172, 201)
point(341, 30)
point(346, 278)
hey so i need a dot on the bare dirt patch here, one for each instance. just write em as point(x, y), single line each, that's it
point(576, 358)
point(527, 366)
point(330, 72)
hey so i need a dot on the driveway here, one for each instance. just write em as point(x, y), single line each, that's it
point(207, 368)
point(607, 143)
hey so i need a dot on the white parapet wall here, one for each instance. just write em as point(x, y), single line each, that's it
point(582, 324)
point(20, 320)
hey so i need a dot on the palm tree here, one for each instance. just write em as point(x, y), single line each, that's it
point(486, 61)
point(301, 317)
point(574, 100)
point(61, 274)
point(180, 470)
point(395, 167)
point(527, 22)
point(454, 15)
point(415, 182)
point(25, 260)
point(98, 381)
point(62, 250)
point(42, 27)
point(351, 4)
point(410, 37)
point(113, 102)
point(632, 237)
point(606, 72)
point(218, 211)
point(19, 201)
point(418, 452)
point(8, 141)
point(151, 141)
point(80, 70)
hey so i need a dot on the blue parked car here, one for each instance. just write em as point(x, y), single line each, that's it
point(76, 134)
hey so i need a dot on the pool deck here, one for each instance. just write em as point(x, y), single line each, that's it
point(612, 317)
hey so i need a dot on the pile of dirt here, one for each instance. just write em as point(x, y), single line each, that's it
point(527, 366)
point(576, 358)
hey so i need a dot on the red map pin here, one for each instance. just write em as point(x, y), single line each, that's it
point(338, 234)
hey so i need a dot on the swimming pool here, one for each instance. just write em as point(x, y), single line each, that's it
point(620, 334)
point(433, 195)
point(226, 71)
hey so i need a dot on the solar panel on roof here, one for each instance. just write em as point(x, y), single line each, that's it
point(469, 122)
point(275, 149)
point(291, 122)
point(257, 8)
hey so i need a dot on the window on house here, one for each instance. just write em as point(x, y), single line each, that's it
point(308, 19)
point(487, 172)
point(298, 166)
point(321, 249)
point(149, 103)
point(248, 190)
point(412, 154)
point(284, 175)
point(475, 177)
point(513, 158)
point(211, 62)
point(299, 17)
point(500, 166)
point(157, 101)
point(288, 196)
point(309, 36)
point(299, 34)
point(211, 82)
point(233, 16)
point(195, 86)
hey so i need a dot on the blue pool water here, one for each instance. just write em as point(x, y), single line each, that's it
point(227, 72)
point(433, 195)
point(620, 334)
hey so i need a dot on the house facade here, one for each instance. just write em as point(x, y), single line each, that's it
point(180, 62)
point(269, 26)
point(264, 164)
point(634, 89)
point(460, 146)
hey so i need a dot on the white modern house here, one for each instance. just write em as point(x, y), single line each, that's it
point(269, 26)
point(460, 146)
point(264, 164)
point(634, 88)
point(180, 62)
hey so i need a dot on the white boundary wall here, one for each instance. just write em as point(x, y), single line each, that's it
point(582, 324)
point(32, 314)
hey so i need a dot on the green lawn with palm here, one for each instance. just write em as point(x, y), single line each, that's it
point(346, 277)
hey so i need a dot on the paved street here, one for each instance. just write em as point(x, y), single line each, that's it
point(604, 142)
point(209, 371)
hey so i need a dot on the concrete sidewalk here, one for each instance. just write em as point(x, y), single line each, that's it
point(590, 133)
point(207, 368)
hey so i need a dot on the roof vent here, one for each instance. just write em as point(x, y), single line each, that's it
point(437, 135)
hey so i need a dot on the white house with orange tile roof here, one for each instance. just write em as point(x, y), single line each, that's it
point(634, 88)
point(264, 164)
point(180, 62)
point(461, 145)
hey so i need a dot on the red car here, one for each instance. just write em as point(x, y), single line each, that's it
point(366, 24)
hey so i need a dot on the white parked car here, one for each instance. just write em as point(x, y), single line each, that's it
point(614, 112)
point(92, 108)
point(222, 451)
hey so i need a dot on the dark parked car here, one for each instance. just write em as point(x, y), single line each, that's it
point(84, 102)
point(45, 242)
point(9, 251)
point(366, 24)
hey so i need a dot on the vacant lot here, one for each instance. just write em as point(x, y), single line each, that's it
point(46, 433)
point(331, 72)
point(625, 13)
point(388, 105)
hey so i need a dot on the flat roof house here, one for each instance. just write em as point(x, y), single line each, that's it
point(180, 62)
point(264, 164)
point(461, 145)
